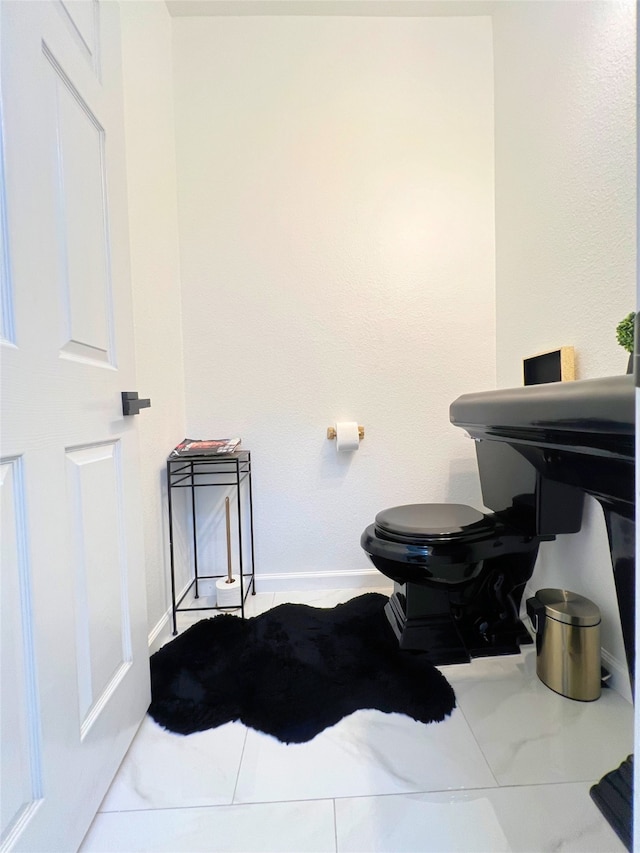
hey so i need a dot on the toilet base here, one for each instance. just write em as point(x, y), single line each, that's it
point(435, 634)
point(430, 620)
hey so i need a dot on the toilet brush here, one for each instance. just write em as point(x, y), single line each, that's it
point(228, 589)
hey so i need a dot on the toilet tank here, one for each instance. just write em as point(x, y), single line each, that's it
point(516, 491)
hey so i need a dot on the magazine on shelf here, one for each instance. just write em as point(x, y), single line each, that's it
point(205, 447)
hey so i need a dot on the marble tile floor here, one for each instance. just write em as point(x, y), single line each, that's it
point(510, 770)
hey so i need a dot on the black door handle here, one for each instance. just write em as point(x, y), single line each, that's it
point(131, 405)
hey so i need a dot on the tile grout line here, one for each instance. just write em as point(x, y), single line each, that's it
point(478, 744)
point(335, 825)
point(355, 796)
point(235, 787)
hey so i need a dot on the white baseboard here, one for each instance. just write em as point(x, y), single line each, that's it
point(619, 680)
point(290, 582)
point(161, 632)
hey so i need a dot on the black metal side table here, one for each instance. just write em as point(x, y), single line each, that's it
point(198, 471)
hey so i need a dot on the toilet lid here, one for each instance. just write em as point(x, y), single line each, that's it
point(430, 520)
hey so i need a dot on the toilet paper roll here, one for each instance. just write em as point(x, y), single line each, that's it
point(347, 437)
point(228, 594)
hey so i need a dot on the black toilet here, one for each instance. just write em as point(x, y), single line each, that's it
point(459, 573)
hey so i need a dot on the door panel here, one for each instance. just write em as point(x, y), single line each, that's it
point(7, 324)
point(94, 480)
point(74, 645)
point(83, 16)
point(78, 140)
point(21, 746)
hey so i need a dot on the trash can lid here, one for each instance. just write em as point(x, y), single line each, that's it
point(568, 607)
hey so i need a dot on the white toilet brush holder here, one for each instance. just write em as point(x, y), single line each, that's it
point(228, 593)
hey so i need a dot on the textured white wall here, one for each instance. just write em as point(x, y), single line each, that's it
point(149, 124)
point(566, 224)
point(565, 181)
point(335, 181)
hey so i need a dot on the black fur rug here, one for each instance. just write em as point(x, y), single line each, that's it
point(293, 671)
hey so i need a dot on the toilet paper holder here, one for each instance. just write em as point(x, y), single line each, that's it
point(331, 432)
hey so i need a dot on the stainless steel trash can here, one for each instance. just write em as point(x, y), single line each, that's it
point(567, 627)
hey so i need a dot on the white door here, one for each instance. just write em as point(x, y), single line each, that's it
point(74, 665)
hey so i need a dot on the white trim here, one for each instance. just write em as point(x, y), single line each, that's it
point(619, 675)
point(290, 581)
point(351, 8)
point(161, 632)
point(158, 632)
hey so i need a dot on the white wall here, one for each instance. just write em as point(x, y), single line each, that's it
point(337, 250)
point(566, 225)
point(149, 124)
point(335, 181)
point(565, 181)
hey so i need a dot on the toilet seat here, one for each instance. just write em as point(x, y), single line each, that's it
point(421, 522)
point(439, 543)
